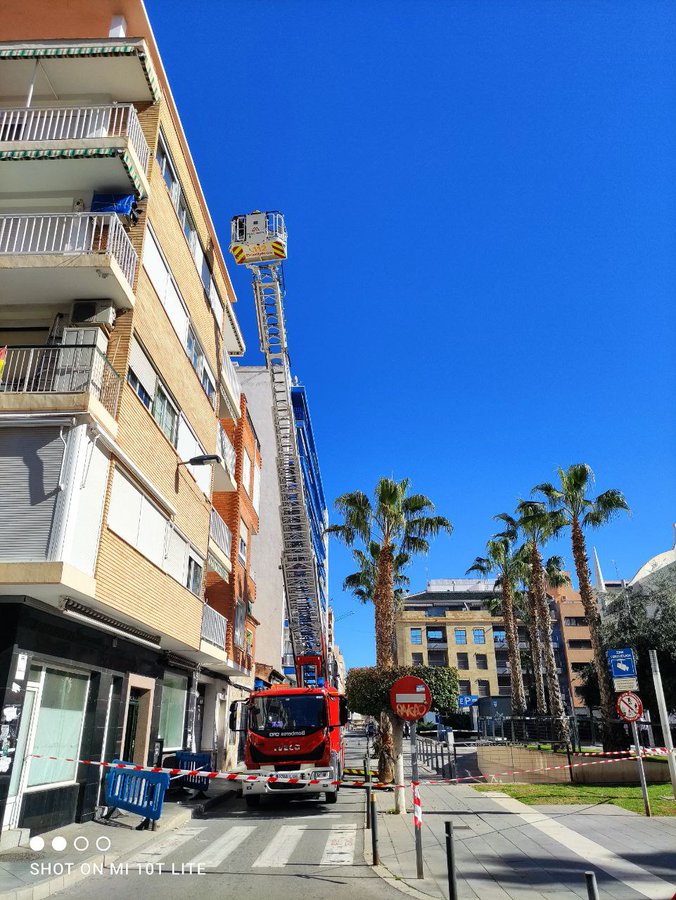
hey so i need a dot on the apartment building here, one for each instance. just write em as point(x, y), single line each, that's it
point(120, 418)
point(575, 638)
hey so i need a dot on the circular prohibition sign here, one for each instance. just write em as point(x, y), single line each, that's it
point(629, 706)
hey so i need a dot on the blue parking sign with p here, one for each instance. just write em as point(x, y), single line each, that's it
point(622, 663)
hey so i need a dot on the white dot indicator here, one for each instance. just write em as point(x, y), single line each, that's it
point(59, 843)
point(81, 843)
point(36, 843)
point(103, 843)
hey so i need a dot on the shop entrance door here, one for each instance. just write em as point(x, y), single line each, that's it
point(131, 731)
point(13, 807)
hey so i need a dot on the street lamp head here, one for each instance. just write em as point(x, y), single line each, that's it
point(204, 460)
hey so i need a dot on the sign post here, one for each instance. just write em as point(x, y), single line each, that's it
point(411, 699)
point(664, 718)
point(630, 708)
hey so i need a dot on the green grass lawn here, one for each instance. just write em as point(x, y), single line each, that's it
point(627, 797)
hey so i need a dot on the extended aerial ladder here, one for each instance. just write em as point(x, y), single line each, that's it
point(258, 241)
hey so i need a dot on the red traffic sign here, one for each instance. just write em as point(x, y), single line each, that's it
point(410, 698)
point(629, 706)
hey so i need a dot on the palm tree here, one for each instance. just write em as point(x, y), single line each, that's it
point(578, 511)
point(397, 522)
point(507, 565)
point(538, 525)
point(532, 620)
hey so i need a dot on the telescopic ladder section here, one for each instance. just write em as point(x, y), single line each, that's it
point(258, 241)
point(298, 562)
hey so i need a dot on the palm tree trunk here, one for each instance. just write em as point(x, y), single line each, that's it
point(536, 654)
point(383, 599)
point(516, 675)
point(592, 612)
point(560, 719)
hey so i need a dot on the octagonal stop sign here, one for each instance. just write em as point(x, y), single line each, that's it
point(410, 698)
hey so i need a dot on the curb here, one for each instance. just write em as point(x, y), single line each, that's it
point(403, 886)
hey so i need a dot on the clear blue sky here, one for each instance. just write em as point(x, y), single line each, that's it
point(480, 198)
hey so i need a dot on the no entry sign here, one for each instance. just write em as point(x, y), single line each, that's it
point(629, 707)
point(410, 698)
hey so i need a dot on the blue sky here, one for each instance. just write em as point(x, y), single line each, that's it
point(480, 202)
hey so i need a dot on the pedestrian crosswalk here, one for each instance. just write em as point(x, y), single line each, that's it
point(262, 846)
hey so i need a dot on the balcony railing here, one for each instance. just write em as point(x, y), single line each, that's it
point(60, 370)
point(220, 533)
point(214, 627)
point(227, 451)
point(230, 373)
point(70, 234)
point(75, 123)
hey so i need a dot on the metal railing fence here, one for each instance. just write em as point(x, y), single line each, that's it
point(220, 533)
point(214, 627)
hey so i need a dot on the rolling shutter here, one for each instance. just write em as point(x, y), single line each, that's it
point(153, 262)
point(141, 367)
point(152, 533)
point(30, 462)
point(175, 560)
point(124, 513)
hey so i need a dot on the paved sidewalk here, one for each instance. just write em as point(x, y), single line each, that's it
point(27, 874)
point(506, 850)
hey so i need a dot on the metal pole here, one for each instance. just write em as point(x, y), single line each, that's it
point(664, 718)
point(450, 863)
point(592, 888)
point(641, 773)
point(369, 789)
point(374, 830)
point(418, 824)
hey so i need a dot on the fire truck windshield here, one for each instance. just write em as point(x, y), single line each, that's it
point(290, 713)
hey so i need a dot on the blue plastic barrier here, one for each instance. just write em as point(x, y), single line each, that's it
point(187, 760)
point(136, 792)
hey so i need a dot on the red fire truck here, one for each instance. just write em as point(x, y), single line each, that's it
point(294, 732)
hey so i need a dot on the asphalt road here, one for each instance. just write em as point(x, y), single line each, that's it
point(285, 849)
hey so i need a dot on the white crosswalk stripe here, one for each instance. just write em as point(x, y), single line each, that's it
point(222, 847)
point(164, 847)
point(339, 850)
point(278, 852)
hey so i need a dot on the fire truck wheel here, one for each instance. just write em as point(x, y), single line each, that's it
point(253, 801)
point(331, 796)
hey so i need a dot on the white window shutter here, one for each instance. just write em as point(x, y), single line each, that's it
point(141, 367)
point(256, 499)
point(124, 513)
point(175, 561)
point(154, 264)
point(152, 533)
point(176, 312)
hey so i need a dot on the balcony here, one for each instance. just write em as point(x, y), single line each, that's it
point(231, 391)
point(224, 474)
point(78, 149)
point(220, 540)
point(214, 627)
point(65, 376)
point(58, 258)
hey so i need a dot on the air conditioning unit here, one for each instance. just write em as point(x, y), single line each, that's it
point(93, 312)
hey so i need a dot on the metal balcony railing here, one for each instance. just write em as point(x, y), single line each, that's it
point(75, 123)
point(227, 451)
point(230, 373)
point(69, 234)
point(220, 533)
point(60, 370)
point(214, 627)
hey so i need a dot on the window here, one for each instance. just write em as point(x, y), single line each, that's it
point(579, 666)
point(479, 635)
point(167, 169)
point(256, 499)
point(437, 635)
point(481, 661)
point(248, 643)
point(195, 569)
point(416, 659)
point(463, 660)
point(200, 365)
point(460, 636)
point(172, 710)
point(435, 611)
point(416, 635)
point(188, 446)
point(575, 620)
point(499, 636)
point(238, 630)
point(243, 540)
point(166, 414)
point(59, 725)
point(141, 376)
point(138, 388)
point(483, 688)
point(580, 645)
point(246, 472)
point(464, 688)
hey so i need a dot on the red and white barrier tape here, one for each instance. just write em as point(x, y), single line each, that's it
point(244, 776)
point(417, 805)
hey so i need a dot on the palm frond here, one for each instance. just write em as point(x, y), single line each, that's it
point(606, 506)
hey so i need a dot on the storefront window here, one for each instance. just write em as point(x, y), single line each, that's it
point(59, 727)
point(172, 712)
